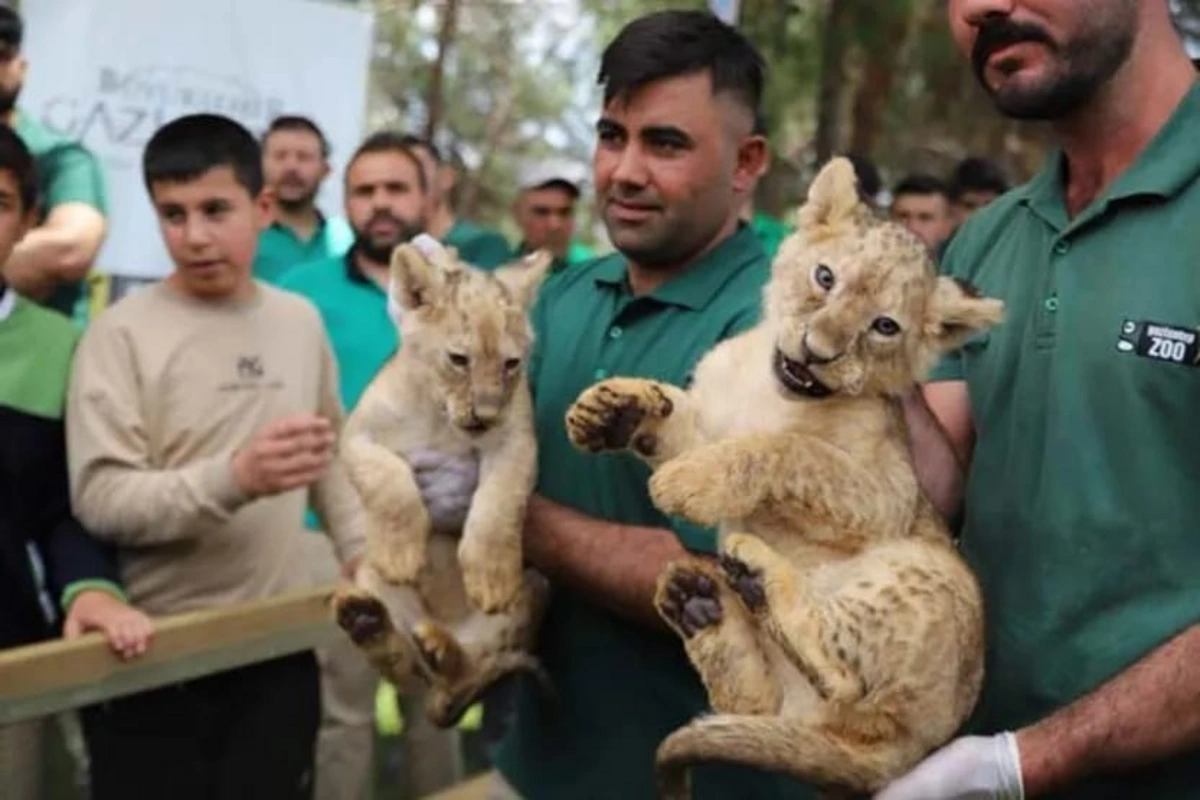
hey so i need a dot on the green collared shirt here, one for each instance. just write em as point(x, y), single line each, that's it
point(481, 247)
point(280, 249)
point(620, 687)
point(1082, 509)
point(67, 173)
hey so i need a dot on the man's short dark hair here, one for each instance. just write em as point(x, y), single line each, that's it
point(390, 142)
point(12, 29)
point(921, 183)
point(187, 147)
point(670, 44)
point(414, 142)
point(16, 159)
point(975, 174)
point(867, 174)
point(295, 122)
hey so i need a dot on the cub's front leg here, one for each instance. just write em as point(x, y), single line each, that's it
point(490, 552)
point(652, 419)
point(398, 524)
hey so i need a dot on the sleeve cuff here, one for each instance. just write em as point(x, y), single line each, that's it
point(694, 537)
point(948, 368)
point(218, 482)
point(77, 588)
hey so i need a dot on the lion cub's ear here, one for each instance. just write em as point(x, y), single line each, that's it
point(414, 279)
point(523, 277)
point(832, 199)
point(956, 312)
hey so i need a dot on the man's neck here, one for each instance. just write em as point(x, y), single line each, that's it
point(377, 273)
point(302, 221)
point(1107, 137)
point(643, 280)
point(440, 222)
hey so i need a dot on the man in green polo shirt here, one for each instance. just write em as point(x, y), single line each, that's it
point(51, 262)
point(295, 163)
point(544, 210)
point(482, 247)
point(1076, 416)
point(674, 160)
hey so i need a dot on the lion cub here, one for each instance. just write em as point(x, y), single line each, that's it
point(839, 634)
point(467, 609)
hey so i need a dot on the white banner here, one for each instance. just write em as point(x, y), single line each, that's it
point(109, 72)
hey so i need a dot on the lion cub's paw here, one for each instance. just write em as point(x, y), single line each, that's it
point(398, 563)
point(439, 651)
point(362, 616)
point(744, 559)
point(697, 487)
point(688, 597)
point(491, 575)
point(617, 414)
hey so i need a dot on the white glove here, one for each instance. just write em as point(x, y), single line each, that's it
point(447, 484)
point(968, 768)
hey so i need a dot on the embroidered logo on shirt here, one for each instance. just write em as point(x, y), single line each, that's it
point(1160, 342)
point(249, 367)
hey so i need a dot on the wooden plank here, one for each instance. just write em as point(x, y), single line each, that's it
point(474, 789)
point(55, 676)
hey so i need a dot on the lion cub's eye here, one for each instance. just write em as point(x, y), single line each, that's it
point(511, 364)
point(885, 326)
point(459, 359)
point(824, 277)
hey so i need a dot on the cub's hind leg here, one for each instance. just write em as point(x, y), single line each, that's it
point(720, 637)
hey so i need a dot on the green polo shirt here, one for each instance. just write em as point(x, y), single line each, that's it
point(1082, 512)
point(280, 249)
point(354, 310)
point(620, 687)
point(67, 173)
point(770, 231)
point(484, 248)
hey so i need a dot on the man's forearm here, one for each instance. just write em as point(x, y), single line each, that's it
point(616, 565)
point(937, 466)
point(1147, 713)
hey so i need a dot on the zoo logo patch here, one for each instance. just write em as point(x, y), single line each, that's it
point(1160, 342)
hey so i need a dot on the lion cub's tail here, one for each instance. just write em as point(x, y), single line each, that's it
point(780, 745)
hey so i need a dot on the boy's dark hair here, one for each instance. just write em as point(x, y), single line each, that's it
point(295, 122)
point(975, 174)
point(414, 142)
point(187, 147)
point(669, 44)
point(16, 159)
point(921, 183)
point(12, 29)
point(390, 142)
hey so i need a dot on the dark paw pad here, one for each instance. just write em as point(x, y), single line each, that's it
point(364, 619)
point(745, 581)
point(691, 601)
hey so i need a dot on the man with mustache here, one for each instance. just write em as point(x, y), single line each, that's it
point(385, 200)
point(1074, 417)
point(295, 163)
point(51, 262)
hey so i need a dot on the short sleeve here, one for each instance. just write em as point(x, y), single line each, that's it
point(73, 175)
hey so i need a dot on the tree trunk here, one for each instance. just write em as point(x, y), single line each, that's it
point(887, 33)
point(839, 21)
point(445, 41)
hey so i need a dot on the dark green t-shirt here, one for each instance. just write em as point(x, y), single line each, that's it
point(1082, 513)
point(481, 247)
point(620, 687)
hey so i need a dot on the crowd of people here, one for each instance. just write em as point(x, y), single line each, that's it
point(179, 453)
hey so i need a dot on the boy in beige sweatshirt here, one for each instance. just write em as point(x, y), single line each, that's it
point(201, 421)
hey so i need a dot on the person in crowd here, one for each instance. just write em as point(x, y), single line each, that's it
point(921, 203)
point(201, 419)
point(54, 577)
point(1080, 510)
point(52, 261)
point(545, 210)
point(974, 183)
point(295, 164)
point(477, 245)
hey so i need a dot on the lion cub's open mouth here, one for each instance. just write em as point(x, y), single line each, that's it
point(796, 378)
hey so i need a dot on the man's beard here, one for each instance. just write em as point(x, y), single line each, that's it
point(8, 99)
point(380, 252)
point(1084, 64)
point(302, 202)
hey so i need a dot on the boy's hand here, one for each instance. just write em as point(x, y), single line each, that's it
point(128, 630)
point(287, 454)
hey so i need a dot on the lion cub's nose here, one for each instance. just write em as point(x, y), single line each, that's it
point(814, 356)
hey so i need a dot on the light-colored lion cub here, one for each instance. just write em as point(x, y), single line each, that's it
point(839, 634)
point(455, 607)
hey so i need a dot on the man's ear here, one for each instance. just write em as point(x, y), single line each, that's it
point(265, 207)
point(956, 312)
point(414, 279)
point(753, 159)
point(524, 277)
